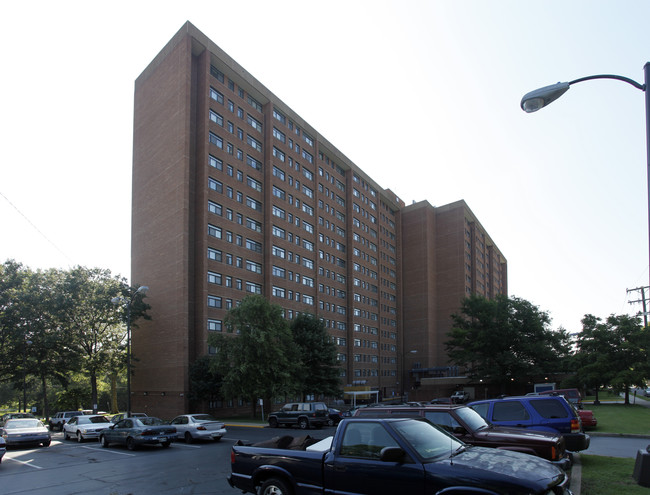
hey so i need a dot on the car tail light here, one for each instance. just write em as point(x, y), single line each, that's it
point(232, 456)
point(553, 454)
point(575, 425)
point(201, 428)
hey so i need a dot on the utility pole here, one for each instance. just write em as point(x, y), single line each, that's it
point(642, 300)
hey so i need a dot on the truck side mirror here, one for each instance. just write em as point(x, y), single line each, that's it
point(391, 454)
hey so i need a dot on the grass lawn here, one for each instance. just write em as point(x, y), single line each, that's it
point(608, 475)
point(621, 418)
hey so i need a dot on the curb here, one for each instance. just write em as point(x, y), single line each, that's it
point(576, 475)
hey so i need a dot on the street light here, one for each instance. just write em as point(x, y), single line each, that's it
point(533, 101)
point(128, 302)
point(25, 343)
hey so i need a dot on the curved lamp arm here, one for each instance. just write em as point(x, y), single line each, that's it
point(539, 98)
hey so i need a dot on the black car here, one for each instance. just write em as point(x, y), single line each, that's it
point(335, 417)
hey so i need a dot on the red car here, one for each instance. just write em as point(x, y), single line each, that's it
point(588, 419)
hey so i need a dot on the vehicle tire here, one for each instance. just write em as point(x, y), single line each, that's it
point(79, 437)
point(217, 439)
point(166, 444)
point(303, 424)
point(188, 437)
point(103, 441)
point(130, 443)
point(47, 443)
point(273, 422)
point(275, 486)
point(330, 422)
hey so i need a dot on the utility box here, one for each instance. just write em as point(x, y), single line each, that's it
point(642, 467)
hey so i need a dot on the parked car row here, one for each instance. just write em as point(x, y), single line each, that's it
point(138, 429)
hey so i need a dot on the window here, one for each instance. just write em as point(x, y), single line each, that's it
point(214, 302)
point(253, 203)
point(214, 325)
point(214, 231)
point(254, 267)
point(278, 232)
point(253, 224)
point(215, 162)
point(278, 272)
point(256, 164)
point(365, 440)
point(510, 411)
point(278, 292)
point(216, 140)
point(279, 135)
point(253, 288)
point(253, 245)
point(279, 173)
point(277, 251)
point(279, 193)
point(278, 154)
point(308, 156)
point(279, 212)
point(254, 103)
point(216, 96)
point(216, 118)
point(277, 115)
point(254, 143)
point(214, 254)
point(215, 208)
point(254, 123)
point(214, 278)
point(255, 184)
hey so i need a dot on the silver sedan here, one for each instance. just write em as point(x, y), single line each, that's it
point(192, 427)
point(85, 427)
point(23, 431)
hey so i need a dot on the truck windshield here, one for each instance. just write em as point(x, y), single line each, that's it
point(427, 440)
point(472, 419)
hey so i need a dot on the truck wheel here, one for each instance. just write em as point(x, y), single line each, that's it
point(273, 422)
point(303, 424)
point(275, 486)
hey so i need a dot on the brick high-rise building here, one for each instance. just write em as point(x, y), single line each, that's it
point(235, 194)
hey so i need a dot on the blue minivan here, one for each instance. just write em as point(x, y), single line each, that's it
point(542, 413)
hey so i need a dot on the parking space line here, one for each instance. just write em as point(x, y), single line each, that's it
point(26, 463)
point(108, 450)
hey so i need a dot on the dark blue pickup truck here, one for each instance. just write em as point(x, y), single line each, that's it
point(386, 456)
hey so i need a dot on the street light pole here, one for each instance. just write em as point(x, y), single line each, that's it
point(128, 302)
point(533, 101)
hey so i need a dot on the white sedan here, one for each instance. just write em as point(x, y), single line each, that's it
point(192, 427)
point(85, 427)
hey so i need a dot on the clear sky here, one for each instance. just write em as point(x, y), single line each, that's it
point(422, 95)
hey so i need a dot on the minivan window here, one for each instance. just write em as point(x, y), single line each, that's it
point(549, 408)
point(509, 411)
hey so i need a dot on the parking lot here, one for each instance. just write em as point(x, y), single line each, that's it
point(67, 467)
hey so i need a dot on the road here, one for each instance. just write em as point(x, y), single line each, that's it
point(616, 446)
point(69, 468)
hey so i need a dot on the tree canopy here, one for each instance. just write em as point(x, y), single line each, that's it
point(318, 371)
point(58, 323)
point(259, 358)
point(502, 339)
point(613, 352)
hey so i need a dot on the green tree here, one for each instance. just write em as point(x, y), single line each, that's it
point(31, 311)
point(257, 356)
point(205, 382)
point(96, 328)
point(505, 339)
point(317, 355)
point(613, 352)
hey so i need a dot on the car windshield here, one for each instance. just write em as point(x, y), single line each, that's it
point(429, 441)
point(203, 417)
point(14, 424)
point(151, 421)
point(472, 419)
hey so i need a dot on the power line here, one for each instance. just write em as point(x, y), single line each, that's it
point(35, 227)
